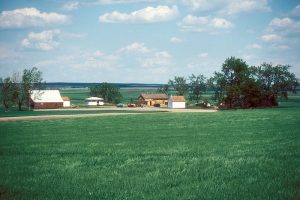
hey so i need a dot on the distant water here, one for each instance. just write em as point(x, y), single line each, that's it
point(58, 85)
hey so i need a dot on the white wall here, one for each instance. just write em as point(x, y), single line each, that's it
point(176, 105)
point(94, 103)
point(67, 103)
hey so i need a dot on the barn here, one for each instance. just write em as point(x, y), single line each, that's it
point(46, 99)
point(153, 100)
point(176, 102)
point(67, 102)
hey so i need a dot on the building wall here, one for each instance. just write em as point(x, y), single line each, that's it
point(48, 105)
point(67, 104)
point(176, 105)
point(94, 103)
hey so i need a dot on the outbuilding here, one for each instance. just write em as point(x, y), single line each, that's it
point(46, 99)
point(67, 102)
point(176, 102)
point(94, 101)
point(153, 100)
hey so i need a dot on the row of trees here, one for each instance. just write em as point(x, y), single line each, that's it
point(16, 89)
point(238, 85)
point(106, 91)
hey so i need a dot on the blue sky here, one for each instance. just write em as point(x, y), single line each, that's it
point(145, 41)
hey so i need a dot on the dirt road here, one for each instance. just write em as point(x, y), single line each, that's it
point(140, 111)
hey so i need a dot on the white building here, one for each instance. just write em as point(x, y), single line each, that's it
point(176, 102)
point(94, 101)
point(67, 102)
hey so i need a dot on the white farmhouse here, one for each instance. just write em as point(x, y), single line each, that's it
point(176, 102)
point(94, 101)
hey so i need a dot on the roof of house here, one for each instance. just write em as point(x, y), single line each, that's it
point(155, 96)
point(66, 98)
point(44, 96)
point(177, 98)
point(94, 99)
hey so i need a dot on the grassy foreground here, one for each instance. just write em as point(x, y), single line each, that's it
point(244, 154)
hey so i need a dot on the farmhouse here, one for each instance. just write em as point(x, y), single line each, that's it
point(67, 102)
point(46, 99)
point(153, 99)
point(94, 101)
point(176, 102)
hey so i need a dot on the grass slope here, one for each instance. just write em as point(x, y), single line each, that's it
point(15, 113)
point(244, 154)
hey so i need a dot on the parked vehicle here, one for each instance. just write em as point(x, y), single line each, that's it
point(131, 105)
point(120, 105)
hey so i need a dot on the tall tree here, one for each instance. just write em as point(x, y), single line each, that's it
point(238, 85)
point(6, 92)
point(31, 79)
point(197, 87)
point(106, 91)
point(180, 85)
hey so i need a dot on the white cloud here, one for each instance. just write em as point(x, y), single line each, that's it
point(203, 55)
point(45, 40)
point(30, 17)
point(159, 59)
point(71, 6)
point(175, 40)
point(122, 1)
point(146, 15)
point(227, 6)
point(296, 11)
point(271, 38)
point(202, 24)
point(254, 46)
point(238, 6)
point(135, 47)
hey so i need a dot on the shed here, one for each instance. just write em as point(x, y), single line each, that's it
point(67, 101)
point(153, 99)
point(46, 99)
point(176, 102)
point(94, 101)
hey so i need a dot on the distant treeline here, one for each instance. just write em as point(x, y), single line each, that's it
point(57, 85)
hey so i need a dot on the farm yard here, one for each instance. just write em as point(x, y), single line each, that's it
point(245, 154)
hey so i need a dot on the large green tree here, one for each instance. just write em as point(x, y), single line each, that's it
point(197, 87)
point(31, 79)
point(106, 91)
point(238, 85)
point(180, 85)
point(6, 92)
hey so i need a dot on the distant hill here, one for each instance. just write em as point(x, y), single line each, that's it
point(57, 85)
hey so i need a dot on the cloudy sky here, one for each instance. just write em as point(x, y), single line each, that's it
point(145, 41)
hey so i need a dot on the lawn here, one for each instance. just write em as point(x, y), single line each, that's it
point(242, 154)
point(15, 113)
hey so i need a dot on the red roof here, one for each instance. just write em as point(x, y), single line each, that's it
point(178, 98)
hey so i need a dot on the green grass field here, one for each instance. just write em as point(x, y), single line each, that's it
point(242, 154)
point(61, 112)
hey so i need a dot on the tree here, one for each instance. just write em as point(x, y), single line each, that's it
point(238, 85)
point(6, 92)
point(180, 85)
point(164, 89)
point(106, 91)
point(197, 87)
point(31, 79)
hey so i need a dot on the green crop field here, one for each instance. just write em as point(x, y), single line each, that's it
point(236, 154)
point(78, 95)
